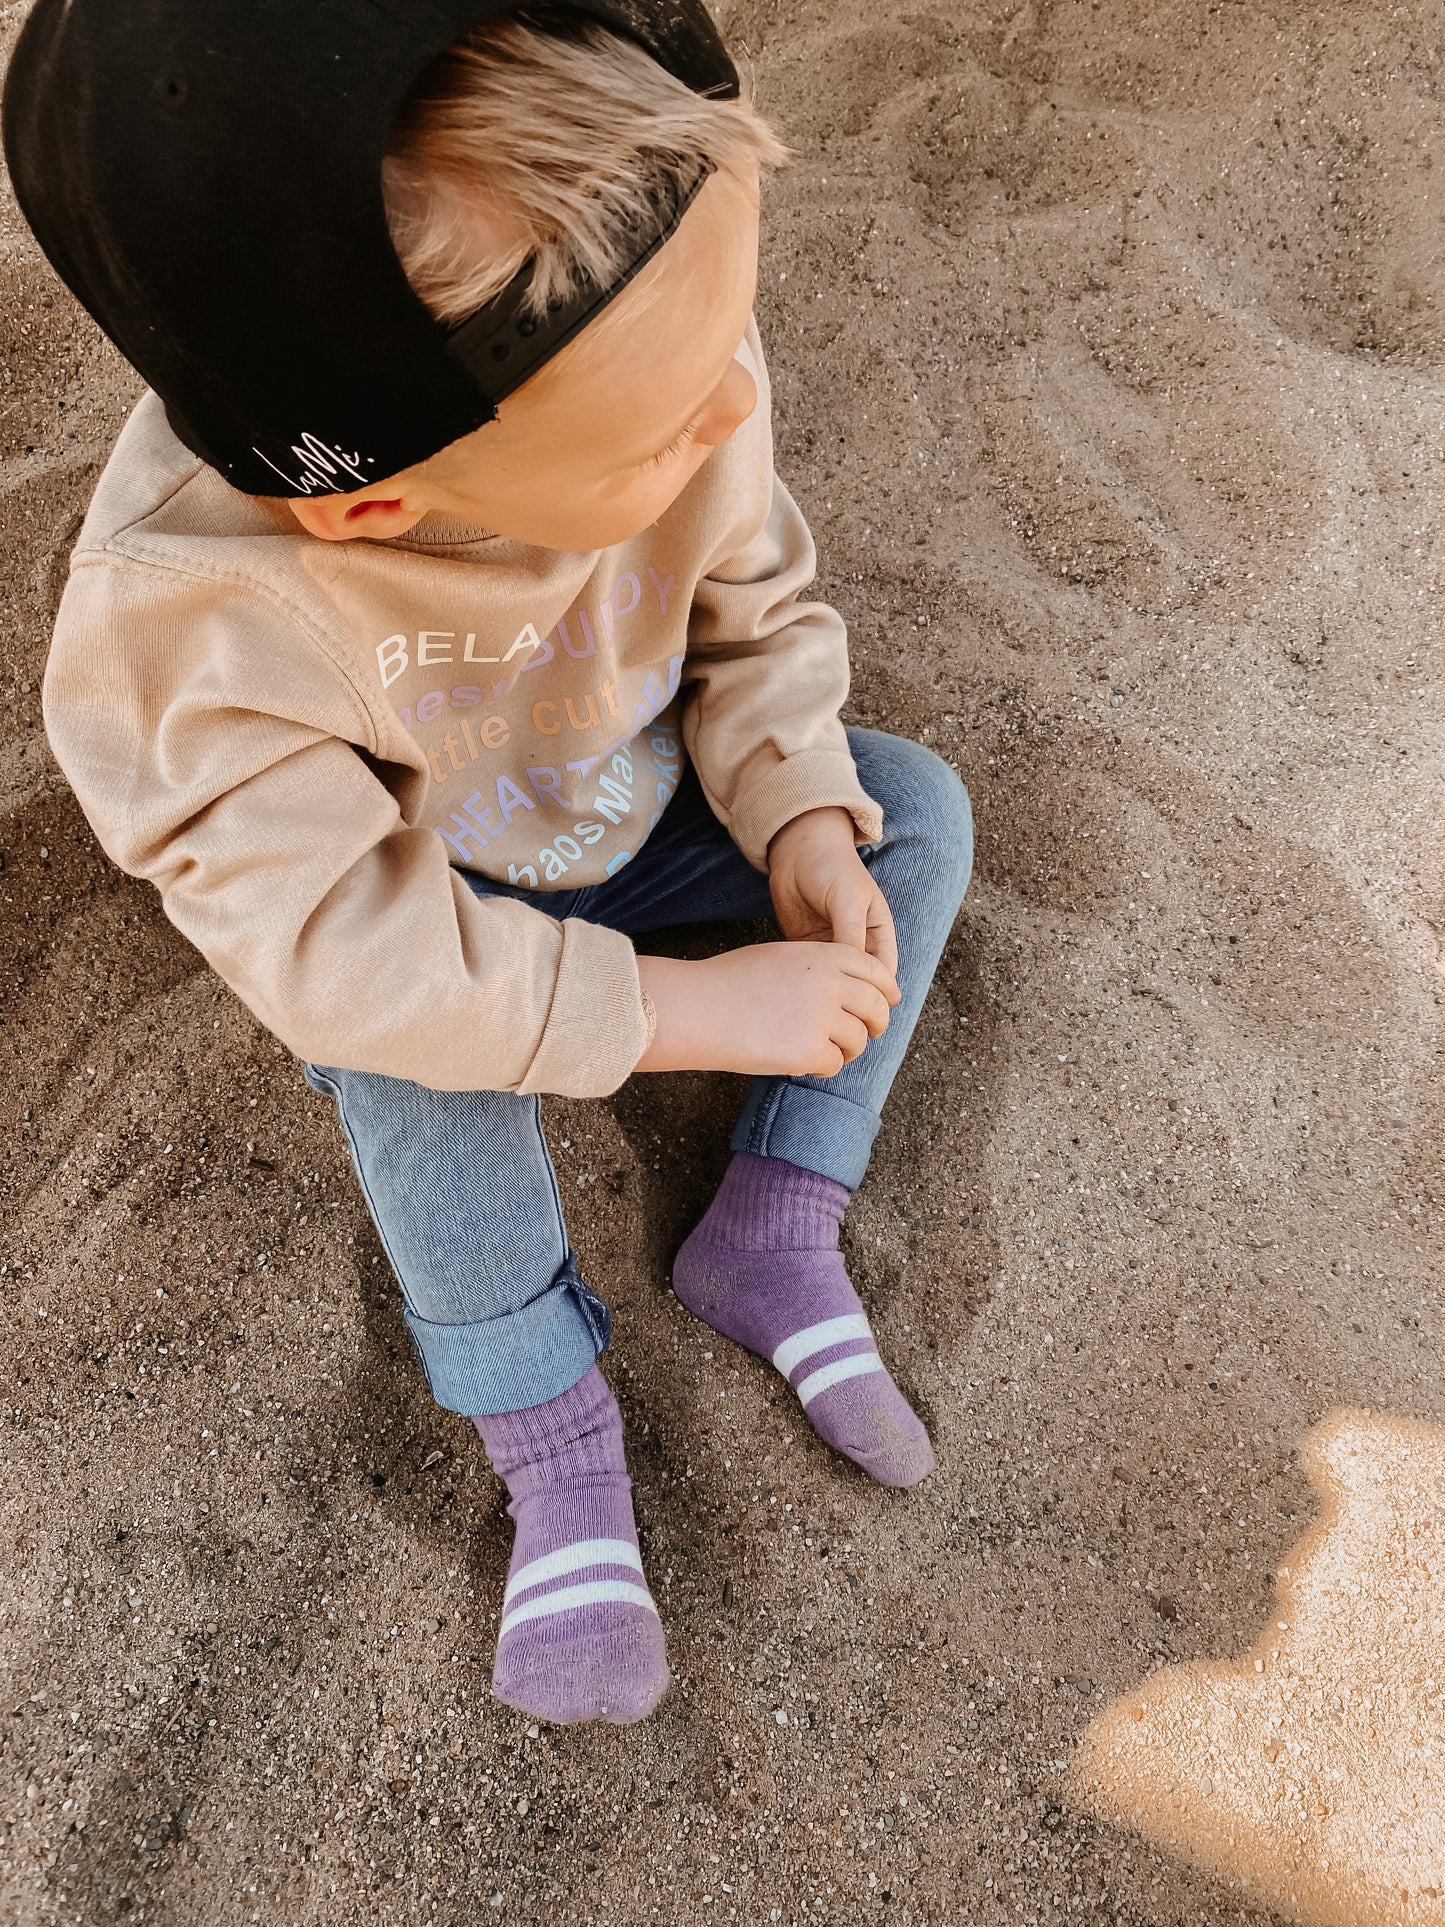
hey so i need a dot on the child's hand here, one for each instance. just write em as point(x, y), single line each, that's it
point(770, 1010)
point(822, 890)
point(803, 1008)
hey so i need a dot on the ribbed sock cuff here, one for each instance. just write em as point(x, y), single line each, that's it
point(537, 1432)
point(768, 1204)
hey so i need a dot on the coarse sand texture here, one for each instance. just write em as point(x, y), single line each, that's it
point(1107, 343)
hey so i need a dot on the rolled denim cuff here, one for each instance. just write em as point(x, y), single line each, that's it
point(518, 1358)
point(823, 1133)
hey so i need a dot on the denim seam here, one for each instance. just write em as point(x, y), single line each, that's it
point(767, 1115)
point(550, 1169)
point(794, 1085)
point(396, 1272)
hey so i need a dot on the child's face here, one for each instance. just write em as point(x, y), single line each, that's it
point(609, 432)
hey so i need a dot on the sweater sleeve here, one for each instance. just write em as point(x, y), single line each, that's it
point(766, 673)
point(220, 753)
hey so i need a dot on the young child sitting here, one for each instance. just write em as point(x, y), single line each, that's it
point(435, 630)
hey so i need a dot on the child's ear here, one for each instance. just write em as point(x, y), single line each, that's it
point(344, 518)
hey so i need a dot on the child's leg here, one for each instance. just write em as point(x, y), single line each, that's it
point(463, 1194)
point(922, 865)
point(580, 1637)
point(763, 1267)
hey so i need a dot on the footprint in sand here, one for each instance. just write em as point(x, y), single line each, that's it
point(1313, 1770)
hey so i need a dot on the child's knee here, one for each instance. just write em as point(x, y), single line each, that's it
point(952, 810)
point(925, 801)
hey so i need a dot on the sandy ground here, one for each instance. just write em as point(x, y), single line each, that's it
point(1311, 1767)
point(1107, 344)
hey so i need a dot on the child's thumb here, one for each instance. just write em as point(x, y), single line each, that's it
point(850, 924)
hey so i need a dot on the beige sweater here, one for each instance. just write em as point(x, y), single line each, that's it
point(301, 743)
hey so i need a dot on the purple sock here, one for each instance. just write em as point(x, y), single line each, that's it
point(764, 1269)
point(580, 1637)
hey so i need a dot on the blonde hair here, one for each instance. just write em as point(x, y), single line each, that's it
point(535, 138)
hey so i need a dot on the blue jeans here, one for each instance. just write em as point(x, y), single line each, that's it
point(459, 1182)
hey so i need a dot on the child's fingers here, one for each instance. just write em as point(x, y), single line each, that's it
point(866, 923)
point(851, 1036)
point(860, 962)
point(868, 1003)
point(873, 969)
point(882, 940)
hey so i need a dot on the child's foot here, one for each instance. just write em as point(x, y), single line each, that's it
point(764, 1269)
point(580, 1637)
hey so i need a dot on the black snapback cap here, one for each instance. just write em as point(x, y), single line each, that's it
point(205, 176)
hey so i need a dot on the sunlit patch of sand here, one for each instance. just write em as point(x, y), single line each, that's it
point(1313, 1770)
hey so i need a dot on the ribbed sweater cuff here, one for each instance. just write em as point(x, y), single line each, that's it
point(814, 779)
point(597, 1026)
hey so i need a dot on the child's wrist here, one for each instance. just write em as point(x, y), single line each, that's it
point(668, 996)
point(828, 824)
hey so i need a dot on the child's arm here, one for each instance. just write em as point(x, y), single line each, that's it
point(769, 1010)
point(218, 748)
point(764, 678)
point(766, 674)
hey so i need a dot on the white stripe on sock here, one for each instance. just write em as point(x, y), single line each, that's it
point(586, 1552)
point(817, 1338)
point(835, 1373)
point(594, 1593)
